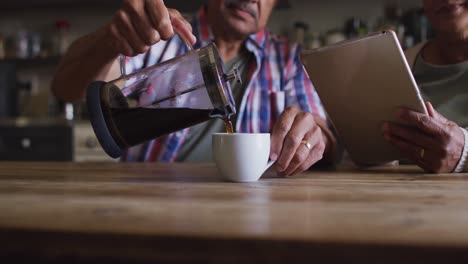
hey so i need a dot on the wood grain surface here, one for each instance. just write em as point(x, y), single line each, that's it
point(183, 213)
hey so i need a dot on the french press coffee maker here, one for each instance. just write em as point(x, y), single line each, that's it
point(161, 99)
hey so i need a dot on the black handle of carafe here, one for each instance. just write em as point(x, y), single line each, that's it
point(98, 122)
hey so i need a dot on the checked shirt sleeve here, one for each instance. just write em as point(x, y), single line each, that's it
point(300, 91)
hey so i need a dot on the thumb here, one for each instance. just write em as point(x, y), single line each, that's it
point(430, 109)
point(433, 113)
point(183, 29)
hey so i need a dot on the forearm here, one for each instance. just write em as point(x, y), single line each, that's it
point(88, 59)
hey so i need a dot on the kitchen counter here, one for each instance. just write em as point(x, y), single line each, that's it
point(182, 213)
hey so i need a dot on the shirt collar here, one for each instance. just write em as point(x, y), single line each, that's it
point(205, 35)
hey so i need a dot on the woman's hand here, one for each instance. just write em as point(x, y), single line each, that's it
point(431, 141)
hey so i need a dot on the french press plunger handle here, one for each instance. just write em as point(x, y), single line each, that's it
point(187, 44)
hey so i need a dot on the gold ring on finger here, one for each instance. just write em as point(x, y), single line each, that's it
point(307, 144)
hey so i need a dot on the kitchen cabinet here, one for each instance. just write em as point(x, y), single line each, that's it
point(182, 5)
point(86, 145)
point(49, 140)
point(45, 140)
point(32, 62)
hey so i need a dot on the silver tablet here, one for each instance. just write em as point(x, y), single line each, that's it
point(361, 83)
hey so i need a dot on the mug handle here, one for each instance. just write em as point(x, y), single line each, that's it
point(187, 44)
point(270, 162)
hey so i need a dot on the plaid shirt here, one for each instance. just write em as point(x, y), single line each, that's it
point(276, 80)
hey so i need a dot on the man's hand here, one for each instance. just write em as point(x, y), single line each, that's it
point(431, 141)
point(139, 24)
point(297, 142)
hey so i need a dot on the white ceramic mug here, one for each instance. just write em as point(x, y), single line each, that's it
point(241, 157)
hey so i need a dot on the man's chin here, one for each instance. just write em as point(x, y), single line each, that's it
point(241, 29)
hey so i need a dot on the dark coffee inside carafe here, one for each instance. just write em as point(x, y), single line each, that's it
point(133, 126)
point(137, 125)
point(161, 99)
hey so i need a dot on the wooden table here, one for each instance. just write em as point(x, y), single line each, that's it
point(182, 213)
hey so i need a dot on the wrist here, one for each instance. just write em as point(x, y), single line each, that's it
point(462, 164)
point(95, 48)
point(330, 152)
point(103, 44)
point(89, 58)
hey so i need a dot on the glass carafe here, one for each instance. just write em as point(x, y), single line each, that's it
point(161, 99)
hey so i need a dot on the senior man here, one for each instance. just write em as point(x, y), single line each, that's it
point(276, 95)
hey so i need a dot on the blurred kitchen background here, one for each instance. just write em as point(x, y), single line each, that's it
point(35, 33)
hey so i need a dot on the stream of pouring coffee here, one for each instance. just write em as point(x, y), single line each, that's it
point(228, 125)
point(244, 5)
